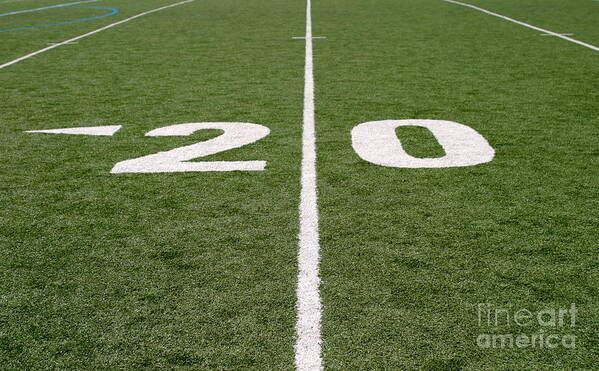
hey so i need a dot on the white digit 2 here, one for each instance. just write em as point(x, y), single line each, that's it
point(236, 134)
point(377, 142)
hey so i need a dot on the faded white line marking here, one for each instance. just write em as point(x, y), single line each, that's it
point(47, 7)
point(563, 34)
point(593, 47)
point(309, 308)
point(89, 34)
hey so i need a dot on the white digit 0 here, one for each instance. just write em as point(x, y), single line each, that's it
point(377, 142)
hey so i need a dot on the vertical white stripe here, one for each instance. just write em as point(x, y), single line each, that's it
point(308, 342)
point(561, 36)
point(89, 34)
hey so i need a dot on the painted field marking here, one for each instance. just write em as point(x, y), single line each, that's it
point(113, 11)
point(7, 64)
point(71, 43)
point(593, 47)
point(235, 135)
point(309, 308)
point(377, 142)
point(88, 130)
point(304, 37)
point(47, 7)
point(563, 34)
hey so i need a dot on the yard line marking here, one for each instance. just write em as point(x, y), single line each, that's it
point(73, 43)
point(90, 33)
point(47, 7)
point(593, 47)
point(304, 37)
point(309, 308)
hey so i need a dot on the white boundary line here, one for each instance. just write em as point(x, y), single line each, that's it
point(593, 47)
point(308, 342)
point(46, 7)
point(89, 34)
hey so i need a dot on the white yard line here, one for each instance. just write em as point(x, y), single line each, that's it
point(89, 34)
point(308, 342)
point(47, 7)
point(304, 37)
point(561, 36)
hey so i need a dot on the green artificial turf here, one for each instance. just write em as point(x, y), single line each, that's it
point(198, 270)
point(152, 270)
point(409, 253)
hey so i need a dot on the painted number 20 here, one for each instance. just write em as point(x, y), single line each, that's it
point(374, 141)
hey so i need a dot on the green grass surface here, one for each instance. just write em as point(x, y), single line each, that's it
point(198, 270)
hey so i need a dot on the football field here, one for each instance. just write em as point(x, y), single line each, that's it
point(299, 184)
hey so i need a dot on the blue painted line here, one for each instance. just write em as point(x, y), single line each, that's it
point(47, 7)
point(113, 11)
